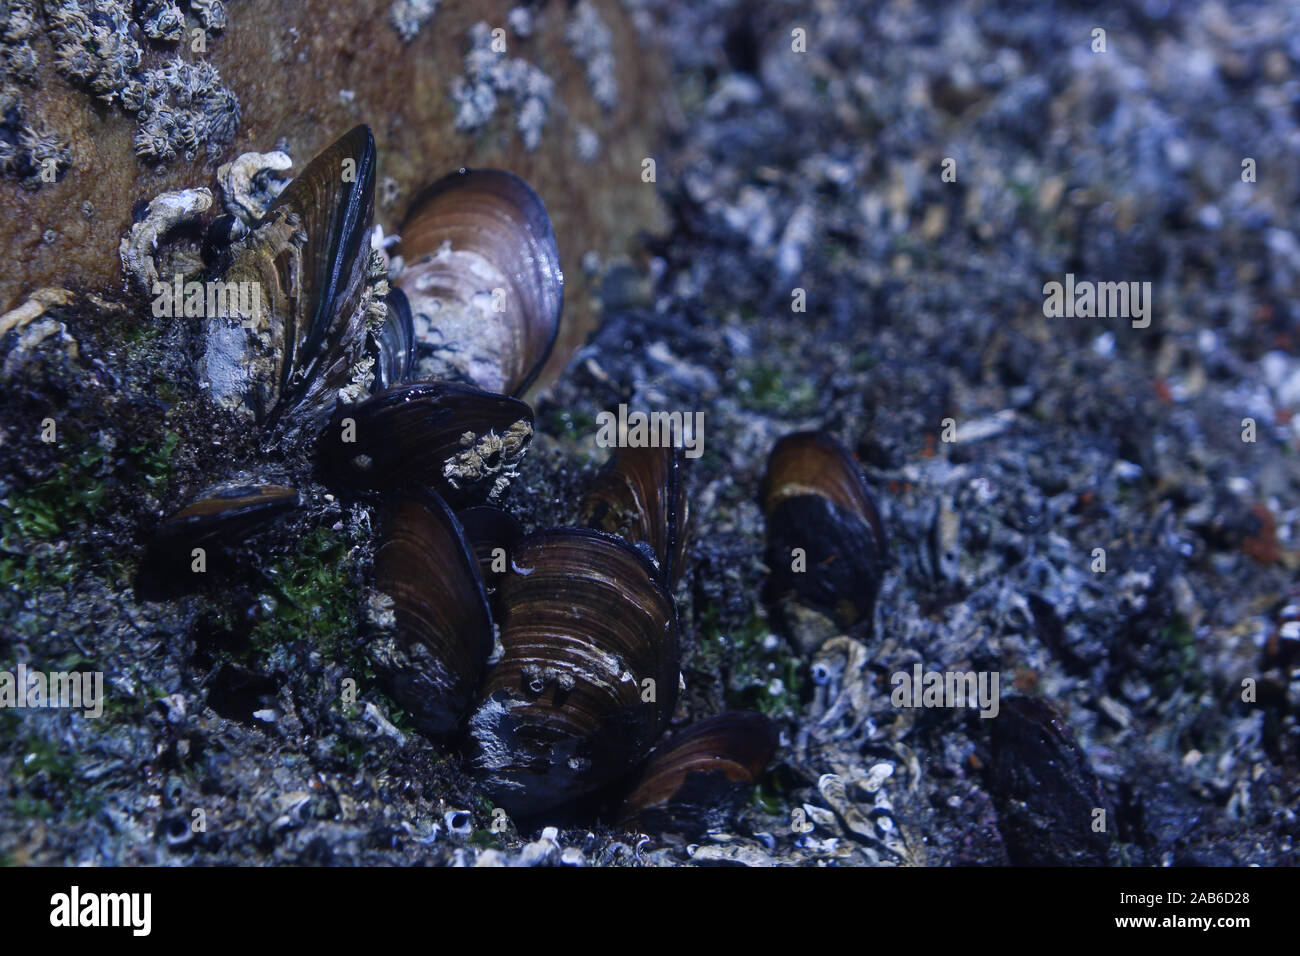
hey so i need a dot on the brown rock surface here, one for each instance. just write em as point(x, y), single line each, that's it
point(288, 61)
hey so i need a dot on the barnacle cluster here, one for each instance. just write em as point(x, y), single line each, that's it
point(489, 75)
point(29, 150)
point(181, 106)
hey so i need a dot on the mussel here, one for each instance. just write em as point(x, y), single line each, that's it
point(191, 544)
point(287, 336)
point(1051, 809)
point(483, 279)
point(699, 779)
point(589, 674)
point(640, 495)
point(394, 344)
point(826, 544)
point(429, 611)
point(464, 443)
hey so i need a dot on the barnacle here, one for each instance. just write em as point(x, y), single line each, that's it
point(592, 43)
point(409, 16)
point(211, 13)
point(488, 75)
point(93, 44)
point(163, 20)
point(182, 106)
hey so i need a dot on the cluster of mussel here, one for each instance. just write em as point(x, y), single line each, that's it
point(550, 657)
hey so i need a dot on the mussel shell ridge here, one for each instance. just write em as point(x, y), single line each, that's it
point(588, 678)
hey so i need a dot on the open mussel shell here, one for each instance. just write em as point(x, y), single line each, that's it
point(429, 611)
point(826, 545)
point(463, 443)
point(189, 547)
point(483, 278)
point(394, 344)
point(700, 779)
point(492, 533)
point(640, 495)
point(588, 678)
point(287, 340)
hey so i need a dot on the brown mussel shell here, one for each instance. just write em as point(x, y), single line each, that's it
point(308, 261)
point(586, 626)
point(462, 443)
point(483, 273)
point(219, 518)
point(640, 495)
point(700, 779)
point(433, 629)
point(815, 498)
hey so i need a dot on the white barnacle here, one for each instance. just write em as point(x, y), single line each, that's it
point(380, 611)
point(489, 457)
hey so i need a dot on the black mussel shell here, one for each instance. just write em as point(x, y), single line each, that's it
point(394, 346)
point(588, 678)
point(640, 495)
point(700, 779)
point(1045, 792)
point(483, 277)
point(219, 518)
point(433, 629)
point(463, 443)
point(493, 533)
point(815, 498)
point(282, 354)
point(334, 197)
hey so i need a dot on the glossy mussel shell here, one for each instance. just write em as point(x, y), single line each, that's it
point(483, 279)
point(815, 498)
point(307, 261)
point(219, 518)
point(701, 778)
point(640, 495)
point(584, 622)
point(432, 627)
point(463, 443)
